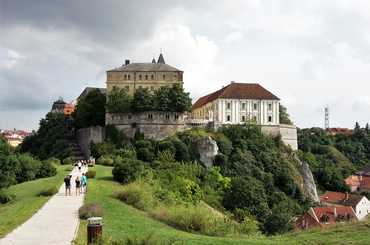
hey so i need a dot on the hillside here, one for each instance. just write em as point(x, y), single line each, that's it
point(123, 222)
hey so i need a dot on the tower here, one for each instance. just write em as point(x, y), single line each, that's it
point(327, 117)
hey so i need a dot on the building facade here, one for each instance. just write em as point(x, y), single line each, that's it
point(154, 75)
point(238, 103)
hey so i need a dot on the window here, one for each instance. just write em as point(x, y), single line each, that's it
point(150, 116)
point(125, 77)
point(167, 116)
point(146, 77)
point(270, 107)
point(243, 106)
point(164, 77)
point(128, 77)
point(228, 105)
point(270, 118)
point(129, 116)
point(255, 106)
point(140, 77)
point(152, 77)
point(228, 118)
point(176, 116)
point(243, 118)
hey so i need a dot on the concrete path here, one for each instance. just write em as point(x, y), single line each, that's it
point(54, 224)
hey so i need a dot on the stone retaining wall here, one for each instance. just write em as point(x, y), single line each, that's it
point(87, 135)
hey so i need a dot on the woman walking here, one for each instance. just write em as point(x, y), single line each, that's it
point(84, 182)
point(78, 185)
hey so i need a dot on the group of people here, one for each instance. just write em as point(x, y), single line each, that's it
point(80, 181)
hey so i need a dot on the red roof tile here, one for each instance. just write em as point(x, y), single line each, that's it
point(237, 91)
point(345, 212)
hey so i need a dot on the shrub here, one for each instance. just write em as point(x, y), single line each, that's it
point(138, 194)
point(5, 197)
point(91, 174)
point(49, 192)
point(68, 161)
point(127, 170)
point(54, 161)
point(101, 149)
point(47, 170)
point(105, 160)
point(90, 210)
point(29, 168)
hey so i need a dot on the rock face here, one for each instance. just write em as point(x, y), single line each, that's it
point(208, 149)
point(309, 182)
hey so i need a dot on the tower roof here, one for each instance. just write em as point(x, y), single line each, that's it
point(161, 59)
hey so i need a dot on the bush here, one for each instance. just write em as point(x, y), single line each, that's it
point(91, 174)
point(68, 161)
point(127, 170)
point(138, 194)
point(29, 168)
point(47, 170)
point(90, 210)
point(6, 198)
point(105, 160)
point(54, 161)
point(49, 192)
point(101, 149)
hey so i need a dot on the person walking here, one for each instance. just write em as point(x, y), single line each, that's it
point(79, 165)
point(67, 182)
point(84, 182)
point(78, 185)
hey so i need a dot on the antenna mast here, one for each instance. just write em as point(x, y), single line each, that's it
point(327, 117)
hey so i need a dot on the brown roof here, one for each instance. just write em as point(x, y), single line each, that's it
point(329, 212)
point(358, 181)
point(237, 91)
point(341, 198)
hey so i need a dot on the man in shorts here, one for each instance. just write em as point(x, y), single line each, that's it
point(67, 182)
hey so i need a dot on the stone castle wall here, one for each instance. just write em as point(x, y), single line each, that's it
point(288, 133)
point(152, 124)
point(87, 135)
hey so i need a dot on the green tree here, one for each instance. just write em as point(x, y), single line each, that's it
point(118, 101)
point(284, 116)
point(172, 99)
point(143, 100)
point(90, 110)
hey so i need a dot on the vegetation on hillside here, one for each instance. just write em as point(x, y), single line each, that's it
point(253, 179)
point(50, 139)
point(17, 168)
point(332, 158)
point(172, 99)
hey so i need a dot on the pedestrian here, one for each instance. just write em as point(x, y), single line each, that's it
point(67, 182)
point(78, 185)
point(79, 165)
point(84, 182)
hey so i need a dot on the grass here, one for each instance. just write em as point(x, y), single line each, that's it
point(122, 221)
point(27, 200)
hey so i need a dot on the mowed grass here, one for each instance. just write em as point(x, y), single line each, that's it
point(122, 221)
point(27, 201)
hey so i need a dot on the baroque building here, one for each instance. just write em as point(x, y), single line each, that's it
point(238, 103)
point(151, 75)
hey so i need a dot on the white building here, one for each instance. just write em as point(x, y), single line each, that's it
point(238, 103)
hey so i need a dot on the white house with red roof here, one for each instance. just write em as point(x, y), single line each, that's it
point(359, 203)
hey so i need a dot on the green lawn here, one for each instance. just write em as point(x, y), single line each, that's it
point(122, 221)
point(27, 201)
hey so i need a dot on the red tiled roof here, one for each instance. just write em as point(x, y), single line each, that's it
point(329, 211)
point(237, 91)
point(356, 181)
point(341, 198)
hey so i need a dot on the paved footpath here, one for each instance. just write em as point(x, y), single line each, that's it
point(54, 224)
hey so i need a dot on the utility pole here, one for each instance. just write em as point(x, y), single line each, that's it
point(327, 117)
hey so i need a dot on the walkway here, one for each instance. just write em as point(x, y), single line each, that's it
point(54, 224)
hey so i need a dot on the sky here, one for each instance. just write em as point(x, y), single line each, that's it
point(311, 54)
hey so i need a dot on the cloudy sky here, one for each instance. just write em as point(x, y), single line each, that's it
point(309, 53)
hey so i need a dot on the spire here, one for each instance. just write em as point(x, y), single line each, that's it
point(153, 61)
point(161, 59)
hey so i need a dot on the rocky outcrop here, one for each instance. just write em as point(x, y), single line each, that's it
point(308, 181)
point(207, 149)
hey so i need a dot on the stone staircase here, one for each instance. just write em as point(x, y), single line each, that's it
point(76, 150)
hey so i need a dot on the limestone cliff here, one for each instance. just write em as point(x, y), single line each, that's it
point(308, 181)
point(207, 149)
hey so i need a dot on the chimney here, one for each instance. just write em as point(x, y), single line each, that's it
point(347, 195)
point(335, 212)
point(127, 62)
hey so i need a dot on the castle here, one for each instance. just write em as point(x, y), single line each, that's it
point(236, 103)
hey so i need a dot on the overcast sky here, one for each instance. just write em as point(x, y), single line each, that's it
point(308, 53)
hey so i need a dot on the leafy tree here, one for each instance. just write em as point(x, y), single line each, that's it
point(119, 101)
point(172, 99)
point(127, 170)
point(284, 116)
point(143, 100)
point(90, 110)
